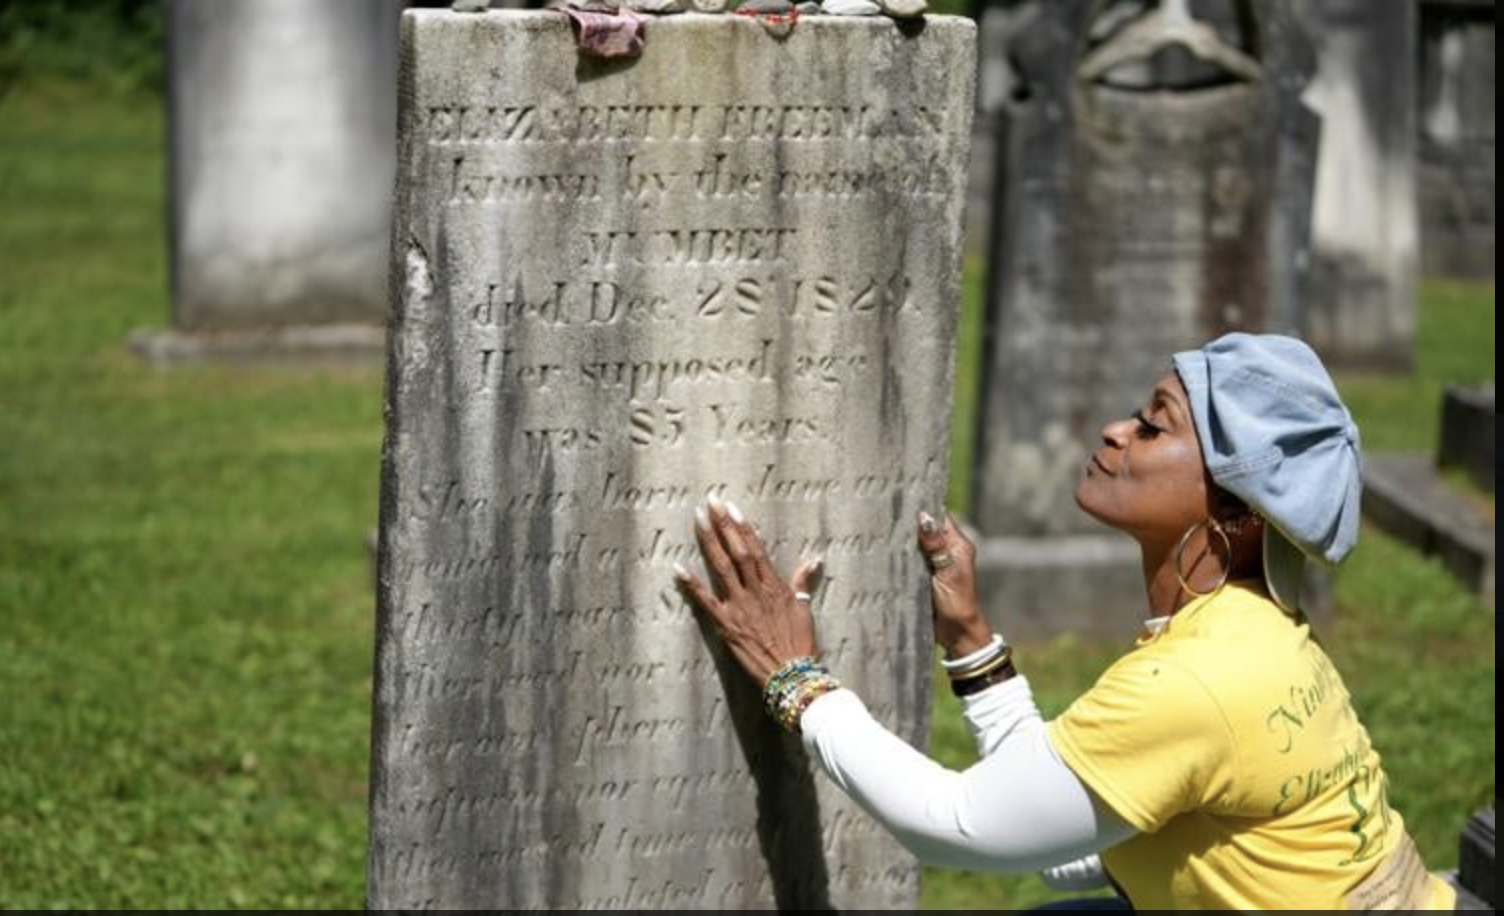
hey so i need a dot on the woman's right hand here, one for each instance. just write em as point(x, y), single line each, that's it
point(959, 624)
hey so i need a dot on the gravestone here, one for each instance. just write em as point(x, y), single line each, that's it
point(282, 120)
point(1475, 870)
point(1153, 198)
point(727, 267)
point(1365, 245)
point(1456, 154)
point(997, 85)
point(1469, 432)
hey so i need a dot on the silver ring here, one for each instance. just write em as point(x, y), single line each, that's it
point(803, 596)
point(941, 559)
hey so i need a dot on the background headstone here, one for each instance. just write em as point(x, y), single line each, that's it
point(1469, 433)
point(1475, 870)
point(282, 119)
point(1150, 201)
point(1408, 493)
point(1365, 246)
point(997, 85)
point(729, 266)
point(1456, 125)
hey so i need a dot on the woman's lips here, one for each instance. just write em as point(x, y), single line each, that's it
point(1096, 462)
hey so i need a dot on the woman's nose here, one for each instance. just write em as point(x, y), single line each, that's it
point(1117, 432)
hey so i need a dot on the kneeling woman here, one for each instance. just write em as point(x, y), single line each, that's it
point(1219, 763)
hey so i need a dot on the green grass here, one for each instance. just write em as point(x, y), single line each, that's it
point(186, 642)
point(185, 656)
point(1455, 345)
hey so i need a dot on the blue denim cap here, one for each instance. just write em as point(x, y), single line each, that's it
point(1275, 434)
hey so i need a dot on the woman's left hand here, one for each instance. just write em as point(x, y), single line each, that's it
point(756, 612)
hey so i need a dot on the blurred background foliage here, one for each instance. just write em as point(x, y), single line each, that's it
point(116, 45)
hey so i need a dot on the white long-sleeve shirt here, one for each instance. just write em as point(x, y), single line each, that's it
point(1019, 809)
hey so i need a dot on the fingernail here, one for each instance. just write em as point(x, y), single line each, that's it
point(702, 518)
point(736, 514)
point(715, 501)
point(680, 572)
point(817, 564)
point(927, 523)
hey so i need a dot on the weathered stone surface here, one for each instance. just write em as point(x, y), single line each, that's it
point(1456, 179)
point(1150, 201)
point(1365, 244)
point(283, 116)
point(1469, 431)
point(730, 266)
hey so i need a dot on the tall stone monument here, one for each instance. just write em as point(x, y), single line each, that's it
point(1456, 152)
point(1365, 235)
point(1156, 193)
point(727, 267)
point(282, 117)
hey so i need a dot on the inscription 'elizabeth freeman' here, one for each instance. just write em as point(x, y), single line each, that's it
point(619, 292)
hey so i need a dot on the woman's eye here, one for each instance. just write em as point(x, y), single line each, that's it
point(1146, 430)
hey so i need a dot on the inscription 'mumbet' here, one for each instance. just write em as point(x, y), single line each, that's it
point(729, 269)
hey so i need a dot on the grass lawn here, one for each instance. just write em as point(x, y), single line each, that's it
point(187, 613)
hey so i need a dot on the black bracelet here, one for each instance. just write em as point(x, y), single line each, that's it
point(971, 685)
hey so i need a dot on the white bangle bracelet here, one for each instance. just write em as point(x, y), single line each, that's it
point(956, 664)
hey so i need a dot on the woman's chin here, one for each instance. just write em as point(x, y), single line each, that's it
point(1087, 502)
point(1083, 496)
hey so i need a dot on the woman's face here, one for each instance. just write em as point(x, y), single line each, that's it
point(1148, 478)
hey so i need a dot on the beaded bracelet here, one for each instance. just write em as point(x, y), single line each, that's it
point(793, 687)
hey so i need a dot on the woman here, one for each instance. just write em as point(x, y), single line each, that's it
point(1217, 764)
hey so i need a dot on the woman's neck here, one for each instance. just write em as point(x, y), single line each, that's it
point(1162, 579)
point(1164, 591)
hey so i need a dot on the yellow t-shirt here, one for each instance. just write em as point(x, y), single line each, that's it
point(1230, 742)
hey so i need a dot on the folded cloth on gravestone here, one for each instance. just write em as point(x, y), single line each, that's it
point(602, 30)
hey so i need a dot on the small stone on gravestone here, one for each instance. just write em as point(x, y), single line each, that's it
point(903, 9)
point(852, 8)
point(658, 7)
point(765, 7)
point(1150, 200)
point(729, 268)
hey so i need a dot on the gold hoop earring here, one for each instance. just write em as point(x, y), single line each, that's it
point(1213, 526)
